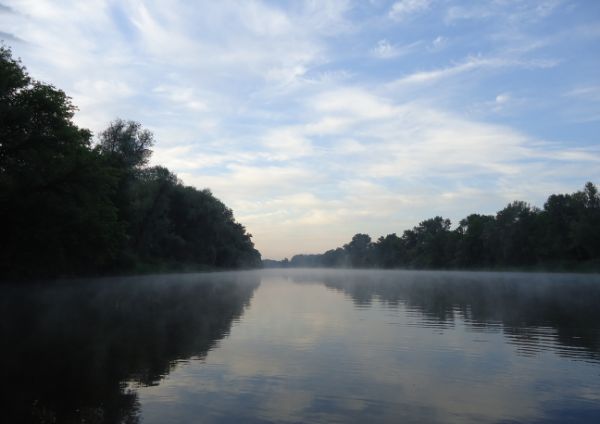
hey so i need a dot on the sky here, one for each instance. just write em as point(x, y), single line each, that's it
point(317, 120)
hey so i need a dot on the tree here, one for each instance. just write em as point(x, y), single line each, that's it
point(565, 234)
point(67, 208)
point(475, 239)
point(390, 251)
point(127, 143)
point(359, 250)
point(431, 237)
point(55, 207)
point(335, 258)
point(585, 231)
point(516, 233)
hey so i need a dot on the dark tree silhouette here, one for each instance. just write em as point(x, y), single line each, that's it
point(127, 143)
point(70, 208)
point(55, 207)
point(565, 235)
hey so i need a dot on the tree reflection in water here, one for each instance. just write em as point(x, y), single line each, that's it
point(535, 311)
point(74, 352)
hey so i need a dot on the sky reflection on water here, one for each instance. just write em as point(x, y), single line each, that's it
point(334, 346)
point(308, 346)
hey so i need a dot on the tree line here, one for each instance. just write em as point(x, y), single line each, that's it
point(72, 204)
point(563, 235)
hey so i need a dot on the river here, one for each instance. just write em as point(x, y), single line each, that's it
point(294, 346)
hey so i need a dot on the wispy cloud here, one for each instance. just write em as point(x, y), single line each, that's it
point(379, 162)
point(438, 43)
point(10, 38)
point(472, 64)
point(590, 92)
point(511, 12)
point(402, 9)
point(386, 50)
point(6, 9)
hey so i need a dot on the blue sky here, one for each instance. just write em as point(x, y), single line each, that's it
point(315, 120)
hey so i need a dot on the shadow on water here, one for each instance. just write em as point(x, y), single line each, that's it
point(536, 312)
point(75, 352)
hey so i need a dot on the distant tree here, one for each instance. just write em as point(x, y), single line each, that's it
point(559, 214)
point(306, 261)
point(359, 251)
point(585, 230)
point(335, 258)
point(390, 251)
point(565, 234)
point(475, 238)
point(516, 235)
point(431, 240)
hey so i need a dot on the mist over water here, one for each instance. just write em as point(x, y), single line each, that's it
point(304, 346)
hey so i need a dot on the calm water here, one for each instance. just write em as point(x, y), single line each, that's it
point(304, 346)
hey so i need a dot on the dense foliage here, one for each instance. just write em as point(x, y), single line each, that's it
point(565, 234)
point(70, 206)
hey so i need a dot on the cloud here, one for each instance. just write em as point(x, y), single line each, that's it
point(4, 9)
point(183, 96)
point(456, 13)
point(583, 105)
point(472, 64)
point(438, 74)
point(438, 43)
point(246, 181)
point(286, 143)
point(354, 103)
point(589, 92)
point(8, 37)
point(385, 50)
point(388, 166)
point(269, 47)
point(502, 98)
point(402, 9)
point(512, 12)
point(502, 106)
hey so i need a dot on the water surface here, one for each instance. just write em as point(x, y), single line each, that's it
point(304, 346)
